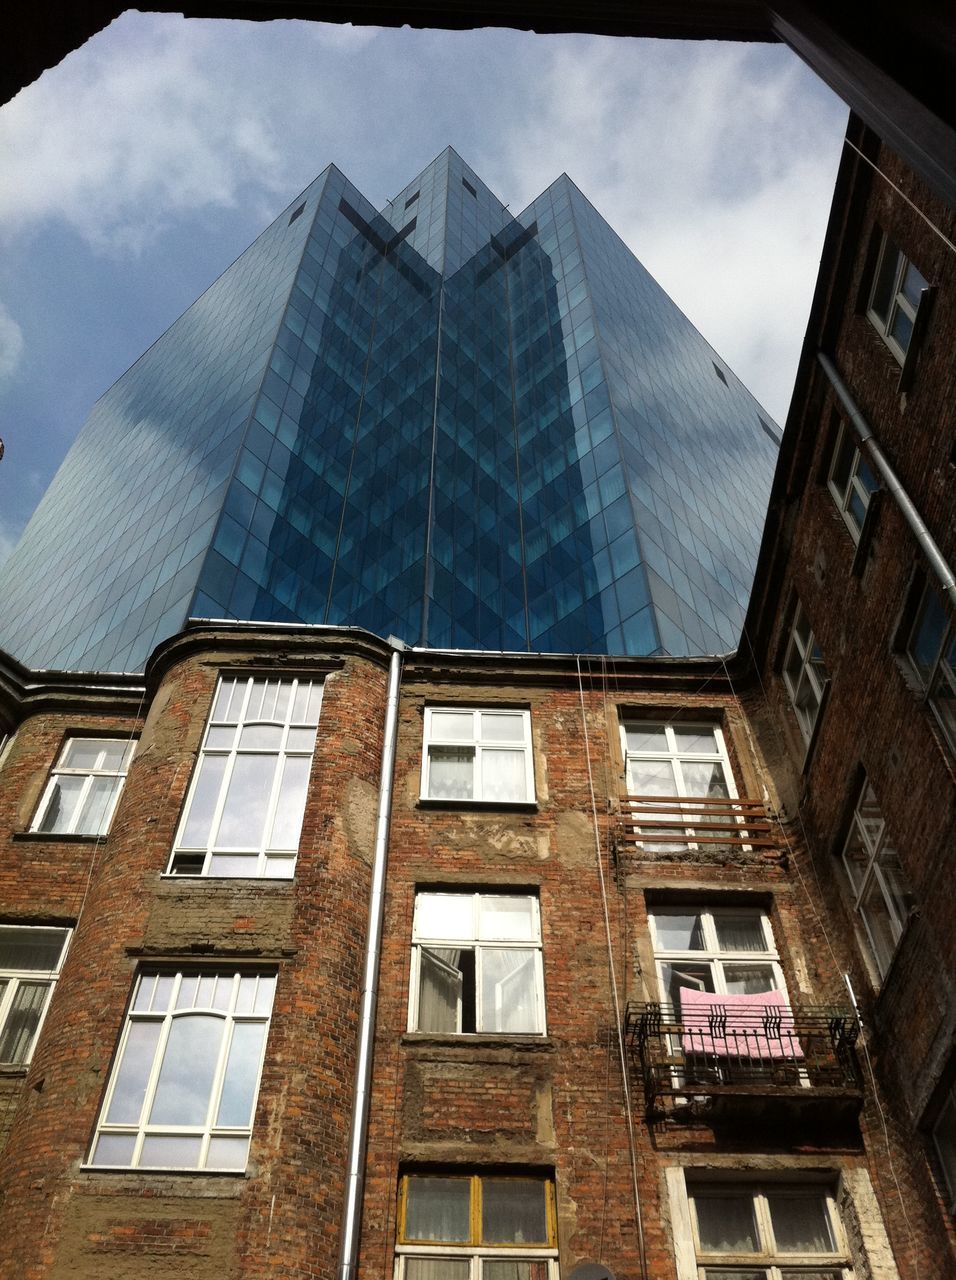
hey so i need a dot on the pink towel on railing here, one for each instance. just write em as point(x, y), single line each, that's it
point(751, 1026)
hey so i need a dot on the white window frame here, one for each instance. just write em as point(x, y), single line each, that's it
point(774, 1263)
point(895, 273)
point(61, 770)
point(868, 829)
point(676, 756)
point(11, 980)
point(478, 745)
point(263, 861)
point(475, 1254)
point(938, 681)
point(712, 953)
point(946, 1149)
point(854, 487)
point(534, 945)
point(166, 1016)
point(811, 672)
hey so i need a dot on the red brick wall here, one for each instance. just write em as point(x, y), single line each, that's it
point(875, 720)
point(55, 1219)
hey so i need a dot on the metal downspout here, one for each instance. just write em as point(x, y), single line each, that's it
point(355, 1173)
point(927, 543)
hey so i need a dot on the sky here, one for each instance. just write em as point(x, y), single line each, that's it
point(140, 167)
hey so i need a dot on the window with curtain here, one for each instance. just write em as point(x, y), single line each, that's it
point(674, 761)
point(30, 961)
point(183, 1087)
point(476, 1227)
point(84, 787)
point(243, 814)
point(482, 755)
point(719, 972)
point(724, 950)
point(766, 1232)
point(477, 964)
point(878, 888)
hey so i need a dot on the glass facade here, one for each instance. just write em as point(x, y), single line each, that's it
point(436, 421)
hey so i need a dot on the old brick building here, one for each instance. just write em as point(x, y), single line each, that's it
point(610, 1023)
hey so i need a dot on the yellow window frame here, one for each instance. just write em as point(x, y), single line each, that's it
point(475, 1211)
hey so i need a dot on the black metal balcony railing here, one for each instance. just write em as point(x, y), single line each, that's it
point(667, 822)
point(805, 1054)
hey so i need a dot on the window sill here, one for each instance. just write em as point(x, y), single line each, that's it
point(480, 806)
point(170, 877)
point(479, 1040)
point(14, 1070)
point(124, 1171)
point(42, 837)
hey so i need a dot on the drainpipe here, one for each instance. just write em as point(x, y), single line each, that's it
point(355, 1175)
point(927, 543)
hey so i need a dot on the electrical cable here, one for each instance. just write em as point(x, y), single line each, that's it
point(632, 1145)
point(902, 194)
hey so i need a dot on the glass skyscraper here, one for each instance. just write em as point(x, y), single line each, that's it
point(436, 420)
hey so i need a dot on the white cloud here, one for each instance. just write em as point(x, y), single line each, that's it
point(130, 132)
point(11, 344)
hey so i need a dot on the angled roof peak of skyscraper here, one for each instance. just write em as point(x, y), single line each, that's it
point(434, 420)
point(453, 210)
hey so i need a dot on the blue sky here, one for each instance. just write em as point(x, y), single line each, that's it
point(139, 168)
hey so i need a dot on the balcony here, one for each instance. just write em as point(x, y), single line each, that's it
point(712, 826)
point(730, 1061)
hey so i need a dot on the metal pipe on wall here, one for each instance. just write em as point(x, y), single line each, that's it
point(355, 1169)
point(938, 562)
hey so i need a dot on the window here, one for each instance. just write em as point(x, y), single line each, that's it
point(719, 372)
point(84, 787)
point(769, 1232)
point(895, 298)
point(804, 673)
point(931, 650)
point(243, 815)
point(30, 961)
point(724, 950)
point(879, 892)
point(675, 760)
point(183, 1087)
point(476, 964)
point(944, 1140)
point(296, 213)
point(477, 755)
point(851, 481)
point(478, 1227)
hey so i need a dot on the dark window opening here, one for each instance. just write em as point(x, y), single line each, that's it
point(719, 372)
point(412, 199)
point(468, 187)
point(297, 213)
